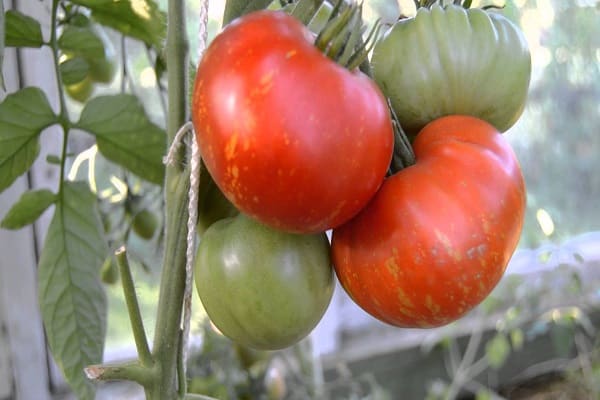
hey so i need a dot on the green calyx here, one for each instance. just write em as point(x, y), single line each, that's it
point(339, 29)
point(466, 4)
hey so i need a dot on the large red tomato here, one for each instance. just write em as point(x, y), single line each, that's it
point(289, 136)
point(437, 236)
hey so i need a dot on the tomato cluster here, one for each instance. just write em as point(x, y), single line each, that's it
point(300, 145)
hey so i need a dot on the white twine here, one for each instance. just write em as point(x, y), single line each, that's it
point(169, 159)
point(193, 202)
point(191, 241)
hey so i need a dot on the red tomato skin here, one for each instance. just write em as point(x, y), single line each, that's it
point(438, 235)
point(290, 137)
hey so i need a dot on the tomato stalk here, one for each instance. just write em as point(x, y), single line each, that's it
point(63, 115)
point(403, 155)
point(167, 336)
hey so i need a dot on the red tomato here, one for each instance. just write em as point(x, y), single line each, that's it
point(437, 236)
point(289, 136)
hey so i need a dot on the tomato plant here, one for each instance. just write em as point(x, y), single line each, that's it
point(261, 287)
point(437, 236)
point(289, 136)
point(453, 60)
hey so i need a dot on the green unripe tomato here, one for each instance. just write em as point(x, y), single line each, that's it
point(80, 91)
point(145, 224)
point(454, 61)
point(109, 273)
point(103, 69)
point(263, 288)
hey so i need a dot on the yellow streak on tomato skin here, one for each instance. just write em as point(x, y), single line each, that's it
point(291, 53)
point(246, 144)
point(482, 287)
point(265, 84)
point(392, 267)
point(267, 79)
point(431, 306)
point(234, 189)
point(404, 300)
point(447, 244)
point(230, 147)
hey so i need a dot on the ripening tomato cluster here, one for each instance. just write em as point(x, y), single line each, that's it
point(301, 145)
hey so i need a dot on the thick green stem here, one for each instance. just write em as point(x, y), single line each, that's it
point(166, 339)
point(131, 371)
point(133, 309)
point(181, 378)
point(63, 115)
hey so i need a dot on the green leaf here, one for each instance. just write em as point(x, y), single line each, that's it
point(74, 70)
point(23, 115)
point(125, 135)
point(497, 350)
point(72, 301)
point(22, 30)
point(81, 41)
point(28, 208)
point(140, 19)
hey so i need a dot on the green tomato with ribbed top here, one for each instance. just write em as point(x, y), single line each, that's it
point(451, 60)
point(263, 288)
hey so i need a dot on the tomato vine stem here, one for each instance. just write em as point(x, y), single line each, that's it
point(63, 115)
point(170, 302)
